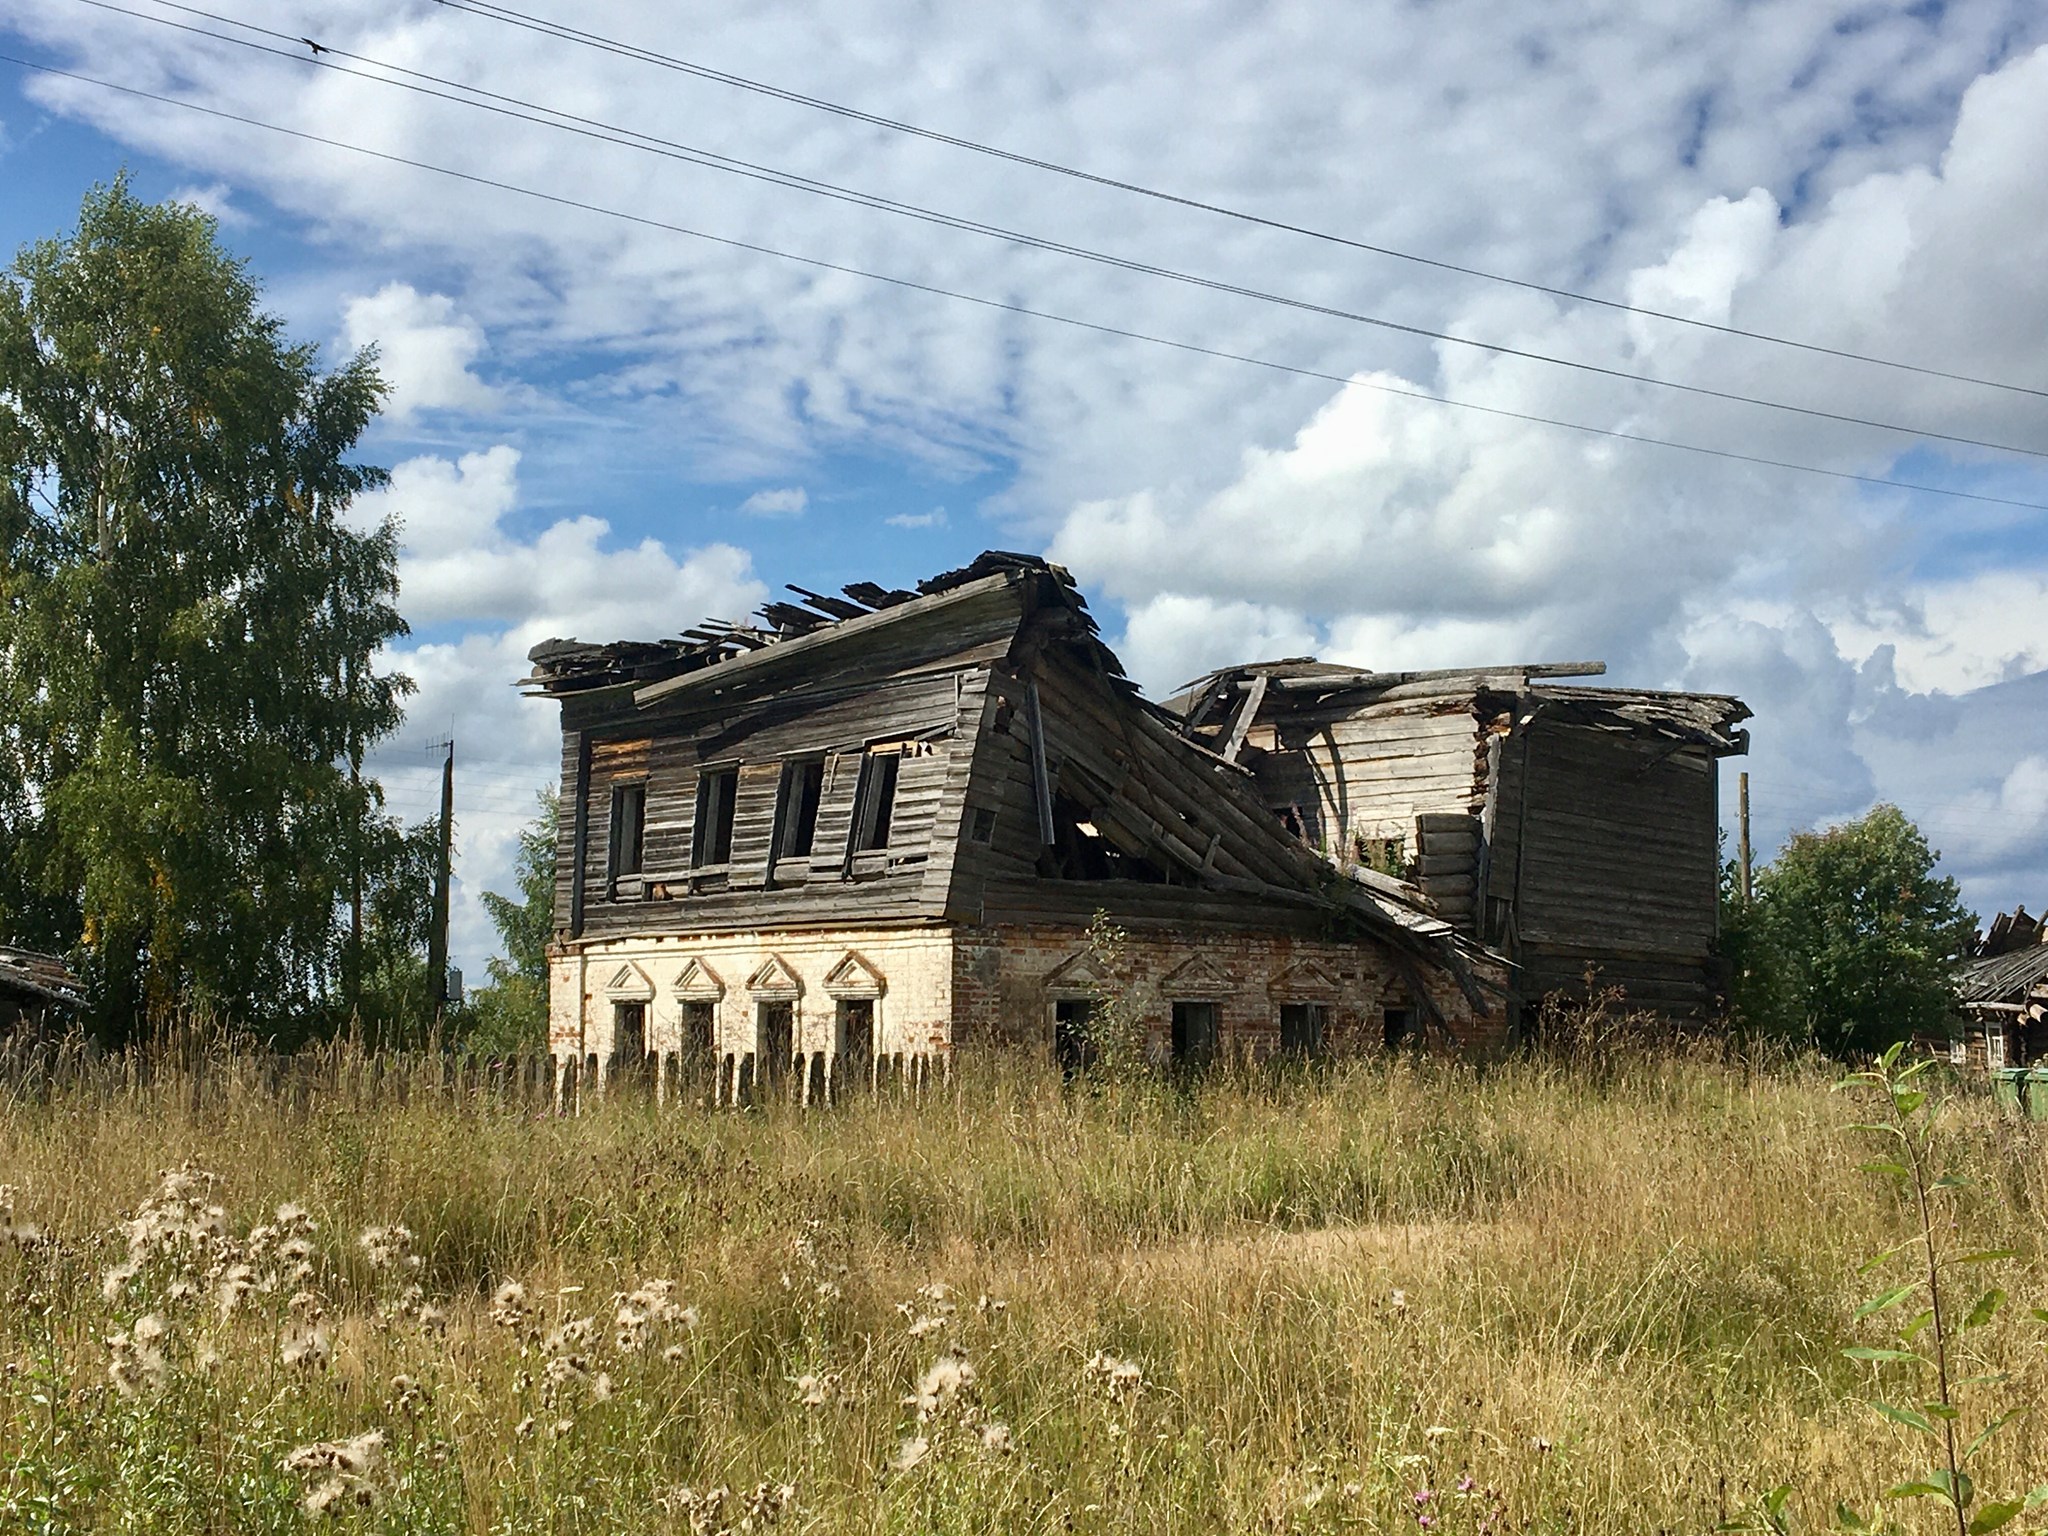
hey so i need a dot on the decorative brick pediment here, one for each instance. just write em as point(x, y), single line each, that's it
point(629, 984)
point(1304, 981)
point(1077, 976)
point(775, 980)
point(855, 976)
point(696, 982)
point(1197, 976)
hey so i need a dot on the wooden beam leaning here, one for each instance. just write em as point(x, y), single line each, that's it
point(1041, 782)
point(1241, 722)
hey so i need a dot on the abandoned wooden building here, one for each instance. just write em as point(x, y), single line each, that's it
point(38, 992)
point(1573, 829)
point(2002, 993)
point(874, 829)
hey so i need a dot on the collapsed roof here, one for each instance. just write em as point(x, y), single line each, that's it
point(572, 666)
point(29, 977)
point(2011, 963)
point(1212, 703)
point(1007, 606)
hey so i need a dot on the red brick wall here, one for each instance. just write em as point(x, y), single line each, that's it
point(1001, 991)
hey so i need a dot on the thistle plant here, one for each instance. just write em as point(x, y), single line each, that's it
point(1940, 1343)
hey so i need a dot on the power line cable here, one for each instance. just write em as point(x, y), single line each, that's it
point(561, 30)
point(590, 128)
point(1007, 307)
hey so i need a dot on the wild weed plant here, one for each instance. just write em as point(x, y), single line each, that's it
point(1944, 1373)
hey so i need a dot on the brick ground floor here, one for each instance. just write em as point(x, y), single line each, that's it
point(812, 1012)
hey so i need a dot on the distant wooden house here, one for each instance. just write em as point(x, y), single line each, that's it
point(1573, 829)
point(872, 830)
point(37, 992)
point(2002, 992)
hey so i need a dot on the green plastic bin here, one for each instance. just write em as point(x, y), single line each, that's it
point(2010, 1084)
point(2037, 1093)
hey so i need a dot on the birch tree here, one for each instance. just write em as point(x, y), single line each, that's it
point(189, 624)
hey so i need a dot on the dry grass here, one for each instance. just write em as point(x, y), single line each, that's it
point(1614, 1300)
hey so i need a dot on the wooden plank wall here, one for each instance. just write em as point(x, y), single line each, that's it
point(565, 832)
point(1376, 770)
point(1606, 844)
point(758, 739)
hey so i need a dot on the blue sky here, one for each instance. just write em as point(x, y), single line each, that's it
point(606, 429)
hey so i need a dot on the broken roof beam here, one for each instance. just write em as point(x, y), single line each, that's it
point(1241, 722)
point(795, 647)
point(832, 607)
point(877, 596)
point(1441, 680)
point(788, 616)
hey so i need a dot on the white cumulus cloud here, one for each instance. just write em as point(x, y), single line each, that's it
point(424, 349)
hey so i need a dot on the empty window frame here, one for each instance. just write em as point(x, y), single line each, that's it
point(1397, 1025)
point(1194, 1032)
point(775, 1040)
point(856, 1028)
point(711, 837)
point(699, 1033)
point(629, 1033)
point(796, 807)
point(628, 831)
point(874, 801)
point(1073, 1034)
point(1302, 1027)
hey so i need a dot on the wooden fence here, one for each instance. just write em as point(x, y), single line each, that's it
point(348, 1074)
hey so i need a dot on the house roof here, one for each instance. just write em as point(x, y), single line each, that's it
point(2005, 978)
point(715, 652)
point(28, 976)
point(1302, 684)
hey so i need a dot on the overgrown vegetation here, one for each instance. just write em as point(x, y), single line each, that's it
point(1850, 940)
point(1527, 1299)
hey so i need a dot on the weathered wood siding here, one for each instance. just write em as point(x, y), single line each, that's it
point(1605, 848)
point(758, 738)
point(1375, 771)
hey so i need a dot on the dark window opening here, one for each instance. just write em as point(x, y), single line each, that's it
point(875, 801)
point(1073, 1037)
point(856, 1040)
point(983, 826)
point(1301, 1028)
point(629, 829)
point(1398, 1026)
point(1291, 822)
point(775, 1030)
point(1194, 1032)
point(796, 808)
point(711, 838)
point(629, 1034)
point(698, 1033)
point(1082, 851)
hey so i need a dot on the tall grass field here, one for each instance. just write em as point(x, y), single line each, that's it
point(1603, 1295)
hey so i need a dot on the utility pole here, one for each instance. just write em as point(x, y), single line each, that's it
point(1742, 840)
point(437, 934)
point(358, 813)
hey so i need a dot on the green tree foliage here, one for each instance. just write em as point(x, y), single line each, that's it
point(187, 624)
point(389, 995)
point(1851, 938)
point(510, 1012)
